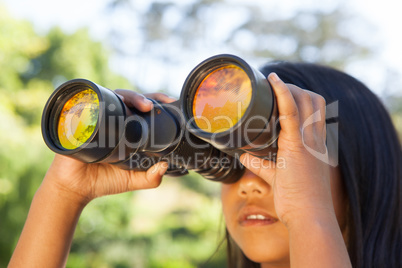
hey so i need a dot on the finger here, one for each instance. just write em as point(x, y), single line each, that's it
point(303, 101)
point(160, 97)
point(151, 178)
point(313, 116)
point(120, 96)
point(319, 106)
point(306, 113)
point(319, 125)
point(264, 169)
point(311, 108)
point(287, 108)
point(135, 100)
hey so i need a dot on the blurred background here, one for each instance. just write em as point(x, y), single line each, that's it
point(151, 46)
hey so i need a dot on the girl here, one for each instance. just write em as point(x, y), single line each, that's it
point(304, 213)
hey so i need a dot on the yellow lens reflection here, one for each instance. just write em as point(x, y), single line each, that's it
point(78, 119)
point(222, 99)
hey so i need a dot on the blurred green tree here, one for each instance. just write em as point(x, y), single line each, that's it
point(312, 35)
point(31, 66)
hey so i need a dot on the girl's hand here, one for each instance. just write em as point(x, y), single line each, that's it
point(299, 180)
point(82, 182)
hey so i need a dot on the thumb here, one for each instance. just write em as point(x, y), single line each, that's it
point(151, 178)
point(265, 169)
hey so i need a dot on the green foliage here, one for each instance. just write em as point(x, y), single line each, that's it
point(251, 29)
point(31, 65)
point(73, 56)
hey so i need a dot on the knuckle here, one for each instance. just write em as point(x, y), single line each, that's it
point(157, 96)
point(155, 183)
point(290, 144)
point(305, 96)
point(281, 88)
point(320, 100)
point(293, 87)
point(292, 114)
point(129, 184)
point(291, 147)
point(138, 95)
point(122, 91)
point(162, 95)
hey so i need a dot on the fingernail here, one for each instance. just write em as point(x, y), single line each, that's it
point(163, 166)
point(146, 101)
point(274, 77)
point(243, 158)
point(120, 96)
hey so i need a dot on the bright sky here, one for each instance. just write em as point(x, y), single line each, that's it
point(384, 16)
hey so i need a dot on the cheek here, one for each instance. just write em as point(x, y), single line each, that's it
point(228, 200)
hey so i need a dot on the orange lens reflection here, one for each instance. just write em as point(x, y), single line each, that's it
point(222, 99)
point(78, 119)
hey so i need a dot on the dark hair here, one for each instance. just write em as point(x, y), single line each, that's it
point(370, 161)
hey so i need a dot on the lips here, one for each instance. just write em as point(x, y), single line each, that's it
point(255, 216)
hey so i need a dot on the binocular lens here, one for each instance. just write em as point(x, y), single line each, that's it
point(221, 99)
point(78, 119)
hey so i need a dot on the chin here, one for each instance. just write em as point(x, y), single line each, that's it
point(262, 248)
point(275, 257)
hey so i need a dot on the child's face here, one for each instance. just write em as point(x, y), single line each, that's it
point(249, 211)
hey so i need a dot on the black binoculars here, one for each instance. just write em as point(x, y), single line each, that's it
point(226, 108)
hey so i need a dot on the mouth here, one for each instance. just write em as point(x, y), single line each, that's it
point(252, 216)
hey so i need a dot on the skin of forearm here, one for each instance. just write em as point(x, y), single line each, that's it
point(47, 235)
point(317, 242)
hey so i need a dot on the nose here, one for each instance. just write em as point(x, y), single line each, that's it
point(252, 185)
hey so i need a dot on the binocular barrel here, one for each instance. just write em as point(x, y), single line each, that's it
point(226, 108)
point(232, 106)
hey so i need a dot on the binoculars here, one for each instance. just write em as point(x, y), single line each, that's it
point(226, 108)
